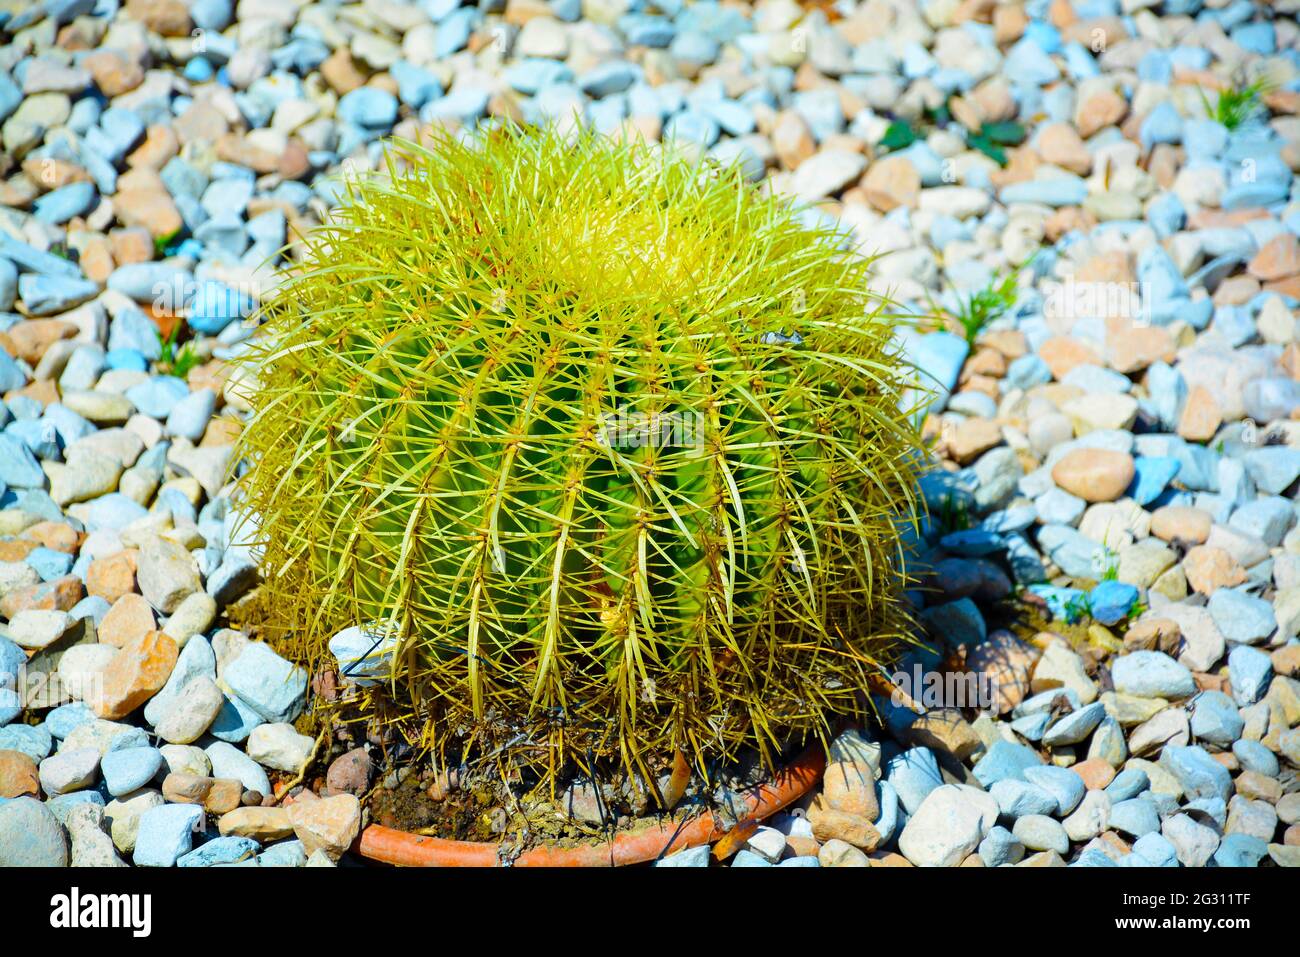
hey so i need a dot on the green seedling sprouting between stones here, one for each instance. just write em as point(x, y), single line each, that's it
point(988, 304)
point(162, 245)
point(1077, 608)
point(900, 134)
point(1237, 104)
point(1110, 571)
point(954, 514)
point(990, 139)
point(173, 361)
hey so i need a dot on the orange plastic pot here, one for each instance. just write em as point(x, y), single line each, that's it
point(390, 846)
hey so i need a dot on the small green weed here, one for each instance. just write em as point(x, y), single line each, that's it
point(176, 362)
point(1238, 103)
point(985, 305)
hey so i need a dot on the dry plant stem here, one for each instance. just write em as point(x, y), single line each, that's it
point(311, 759)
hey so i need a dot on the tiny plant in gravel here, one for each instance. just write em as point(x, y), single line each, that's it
point(1110, 570)
point(991, 139)
point(518, 408)
point(176, 361)
point(1237, 104)
point(162, 245)
point(954, 515)
point(987, 304)
point(1076, 608)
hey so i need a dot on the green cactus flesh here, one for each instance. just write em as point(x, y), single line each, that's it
point(609, 439)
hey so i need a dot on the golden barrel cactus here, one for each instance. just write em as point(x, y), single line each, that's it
point(607, 441)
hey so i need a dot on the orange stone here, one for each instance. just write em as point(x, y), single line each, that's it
point(1201, 417)
point(171, 18)
point(18, 775)
point(1166, 160)
point(1022, 166)
point(1209, 568)
point(54, 173)
point(1277, 259)
point(1290, 286)
point(330, 824)
point(159, 146)
point(986, 384)
point(15, 550)
point(220, 431)
point(1104, 108)
point(115, 73)
point(112, 577)
point(889, 859)
point(829, 824)
point(151, 209)
point(1062, 353)
point(341, 73)
point(1061, 14)
point(850, 787)
point(1236, 291)
point(60, 594)
point(134, 676)
point(1004, 665)
point(131, 245)
point(892, 182)
point(1290, 360)
point(97, 259)
point(1282, 101)
point(1286, 661)
point(1010, 342)
point(180, 788)
point(1109, 267)
point(1060, 145)
point(29, 340)
point(234, 148)
point(1182, 522)
point(58, 536)
point(1205, 218)
point(985, 361)
point(792, 139)
point(1095, 475)
point(1206, 682)
point(972, 438)
point(1008, 24)
point(44, 391)
point(802, 846)
point(224, 796)
point(1131, 348)
point(1095, 772)
point(1065, 219)
point(131, 617)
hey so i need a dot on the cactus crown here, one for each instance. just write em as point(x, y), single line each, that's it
point(609, 441)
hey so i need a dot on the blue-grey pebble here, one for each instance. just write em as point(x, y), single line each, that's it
point(1064, 785)
point(1135, 817)
point(128, 769)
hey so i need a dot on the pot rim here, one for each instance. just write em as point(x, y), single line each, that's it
point(404, 849)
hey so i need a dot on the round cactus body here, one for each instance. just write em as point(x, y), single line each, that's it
point(607, 441)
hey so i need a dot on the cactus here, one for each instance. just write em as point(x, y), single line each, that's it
point(607, 440)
